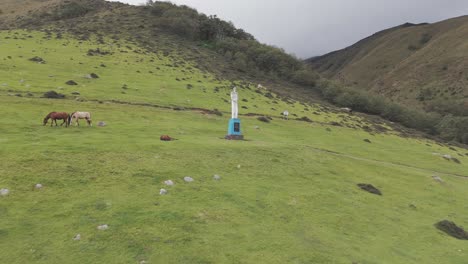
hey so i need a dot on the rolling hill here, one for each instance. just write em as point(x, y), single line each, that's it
point(417, 64)
point(287, 194)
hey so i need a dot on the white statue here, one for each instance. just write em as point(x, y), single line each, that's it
point(234, 107)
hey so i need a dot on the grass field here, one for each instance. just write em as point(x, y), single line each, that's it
point(293, 199)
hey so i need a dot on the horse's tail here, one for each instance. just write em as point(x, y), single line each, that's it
point(70, 116)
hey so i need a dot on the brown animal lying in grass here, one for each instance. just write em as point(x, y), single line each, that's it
point(166, 138)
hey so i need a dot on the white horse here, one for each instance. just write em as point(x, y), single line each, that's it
point(285, 114)
point(80, 115)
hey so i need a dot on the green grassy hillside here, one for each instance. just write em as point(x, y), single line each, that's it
point(415, 64)
point(293, 199)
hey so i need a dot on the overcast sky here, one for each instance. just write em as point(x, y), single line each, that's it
point(309, 28)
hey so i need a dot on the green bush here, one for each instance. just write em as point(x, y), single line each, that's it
point(305, 77)
point(71, 10)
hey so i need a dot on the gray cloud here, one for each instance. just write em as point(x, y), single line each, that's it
point(313, 27)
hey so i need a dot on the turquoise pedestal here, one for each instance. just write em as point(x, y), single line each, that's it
point(234, 130)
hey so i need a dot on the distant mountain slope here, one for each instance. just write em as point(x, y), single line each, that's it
point(424, 63)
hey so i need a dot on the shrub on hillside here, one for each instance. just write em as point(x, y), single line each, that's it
point(305, 77)
point(71, 10)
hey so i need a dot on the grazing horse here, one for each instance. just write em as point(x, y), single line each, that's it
point(79, 115)
point(54, 116)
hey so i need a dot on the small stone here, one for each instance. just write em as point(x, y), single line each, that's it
point(217, 177)
point(239, 166)
point(38, 186)
point(437, 178)
point(103, 227)
point(188, 179)
point(169, 183)
point(4, 192)
point(162, 192)
point(102, 124)
point(78, 237)
point(71, 82)
point(257, 127)
point(447, 157)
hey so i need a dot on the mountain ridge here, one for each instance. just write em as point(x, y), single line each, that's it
point(412, 63)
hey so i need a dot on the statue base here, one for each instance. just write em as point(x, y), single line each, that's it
point(234, 130)
point(234, 137)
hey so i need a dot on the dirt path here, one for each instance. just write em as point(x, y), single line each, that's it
point(387, 163)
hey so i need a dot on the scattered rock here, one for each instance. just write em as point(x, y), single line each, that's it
point(437, 178)
point(239, 166)
point(263, 119)
point(103, 227)
point(38, 60)
point(162, 192)
point(97, 52)
point(38, 186)
point(78, 237)
point(169, 183)
point(451, 229)
point(369, 188)
point(447, 157)
point(71, 82)
point(188, 179)
point(94, 76)
point(257, 127)
point(101, 124)
point(216, 177)
point(412, 206)
point(53, 95)
point(367, 140)
point(305, 119)
point(4, 192)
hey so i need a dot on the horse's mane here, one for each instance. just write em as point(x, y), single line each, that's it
point(48, 116)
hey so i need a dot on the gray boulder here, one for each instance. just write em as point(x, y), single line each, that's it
point(188, 179)
point(169, 183)
point(4, 192)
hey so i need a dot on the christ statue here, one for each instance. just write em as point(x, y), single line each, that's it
point(234, 107)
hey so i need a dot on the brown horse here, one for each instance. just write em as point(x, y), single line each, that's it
point(54, 116)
